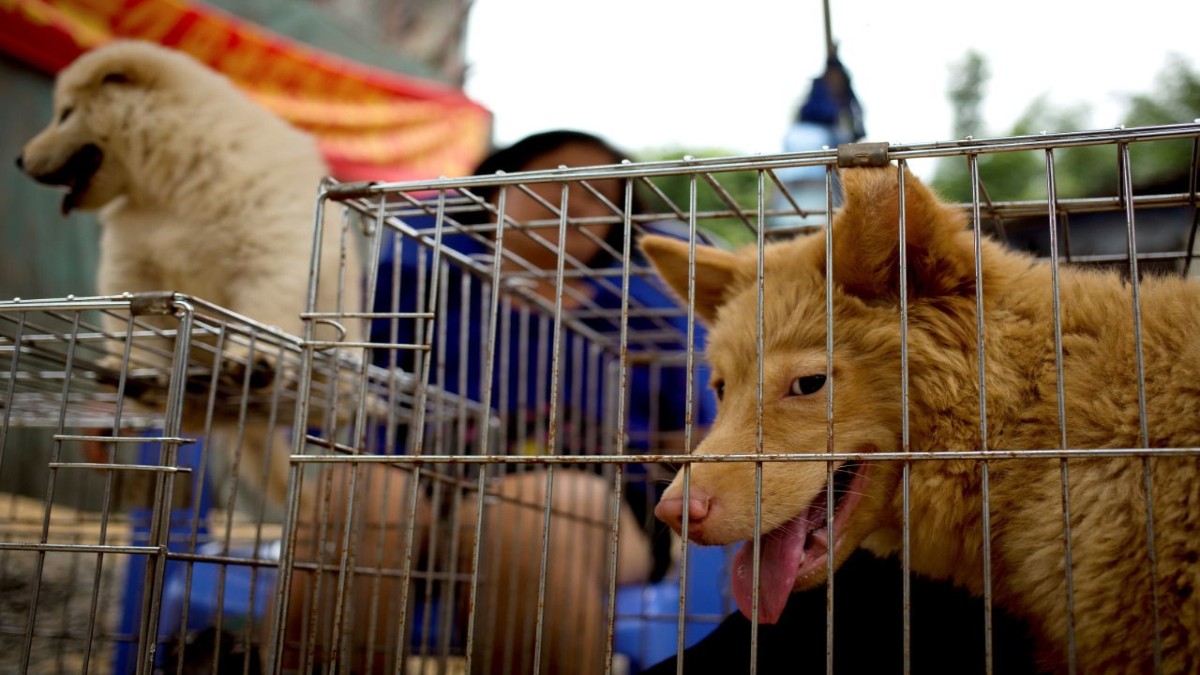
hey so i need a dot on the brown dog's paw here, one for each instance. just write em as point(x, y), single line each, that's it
point(238, 366)
point(139, 385)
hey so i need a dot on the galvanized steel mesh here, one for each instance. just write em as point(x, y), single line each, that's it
point(498, 397)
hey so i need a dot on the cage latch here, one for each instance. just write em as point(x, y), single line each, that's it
point(153, 303)
point(850, 155)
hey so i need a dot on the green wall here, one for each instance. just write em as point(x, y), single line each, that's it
point(42, 254)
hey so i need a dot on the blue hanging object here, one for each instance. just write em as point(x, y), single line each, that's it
point(831, 103)
point(829, 116)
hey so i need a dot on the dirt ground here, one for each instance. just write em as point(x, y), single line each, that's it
point(65, 592)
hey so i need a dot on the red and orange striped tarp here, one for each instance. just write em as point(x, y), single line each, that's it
point(372, 124)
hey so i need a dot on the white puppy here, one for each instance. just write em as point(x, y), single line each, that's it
point(201, 191)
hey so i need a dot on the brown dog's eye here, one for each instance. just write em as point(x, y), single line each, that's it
point(803, 386)
point(719, 387)
point(66, 112)
point(115, 78)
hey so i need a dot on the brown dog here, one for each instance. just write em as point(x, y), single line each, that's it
point(1114, 592)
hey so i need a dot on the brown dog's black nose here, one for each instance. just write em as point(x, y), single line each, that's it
point(20, 163)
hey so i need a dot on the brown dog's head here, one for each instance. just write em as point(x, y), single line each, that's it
point(99, 101)
point(796, 380)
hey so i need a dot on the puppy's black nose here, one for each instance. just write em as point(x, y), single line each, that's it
point(20, 163)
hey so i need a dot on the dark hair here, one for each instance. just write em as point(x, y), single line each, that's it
point(519, 155)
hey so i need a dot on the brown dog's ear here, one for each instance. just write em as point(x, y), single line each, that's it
point(866, 239)
point(715, 271)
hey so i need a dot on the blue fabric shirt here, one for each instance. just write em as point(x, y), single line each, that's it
point(657, 397)
point(529, 349)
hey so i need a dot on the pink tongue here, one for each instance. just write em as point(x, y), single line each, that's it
point(780, 555)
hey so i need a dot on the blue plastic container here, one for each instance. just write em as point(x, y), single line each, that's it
point(647, 625)
point(125, 655)
point(237, 607)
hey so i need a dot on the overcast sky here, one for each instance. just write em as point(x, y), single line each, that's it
point(653, 73)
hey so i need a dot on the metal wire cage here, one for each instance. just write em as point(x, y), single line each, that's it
point(141, 436)
point(473, 488)
point(556, 349)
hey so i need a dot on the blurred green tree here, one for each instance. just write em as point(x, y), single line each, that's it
point(1005, 176)
point(968, 81)
point(1078, 172)
point(715, 206)
point(1175, 98)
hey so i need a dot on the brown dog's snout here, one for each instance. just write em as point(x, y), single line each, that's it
point(670, 510)
point(20, 162)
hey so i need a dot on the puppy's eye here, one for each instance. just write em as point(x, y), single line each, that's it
point(115, 78)
point(66, 112)
point(719, 387)
point(810, 384)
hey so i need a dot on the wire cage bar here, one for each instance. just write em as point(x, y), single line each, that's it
point(466, 259)
point(473, 488)
point(139, 437)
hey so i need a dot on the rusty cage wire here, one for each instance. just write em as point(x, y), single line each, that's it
point(472, 489)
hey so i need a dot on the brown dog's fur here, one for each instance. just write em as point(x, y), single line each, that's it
point(1112, 584)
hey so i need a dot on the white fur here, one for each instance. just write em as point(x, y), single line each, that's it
point(201, 191)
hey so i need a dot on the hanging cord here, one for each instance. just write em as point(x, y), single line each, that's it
point(835, 74)
point(830, 48)
point(836, 81)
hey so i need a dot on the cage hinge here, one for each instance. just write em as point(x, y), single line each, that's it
point(153, 303)
point(850, 155)
point(356, 190)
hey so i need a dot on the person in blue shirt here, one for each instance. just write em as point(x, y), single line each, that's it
point(520, 411)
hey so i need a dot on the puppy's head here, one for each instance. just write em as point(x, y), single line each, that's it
point(799, 389)
point(99, 101)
